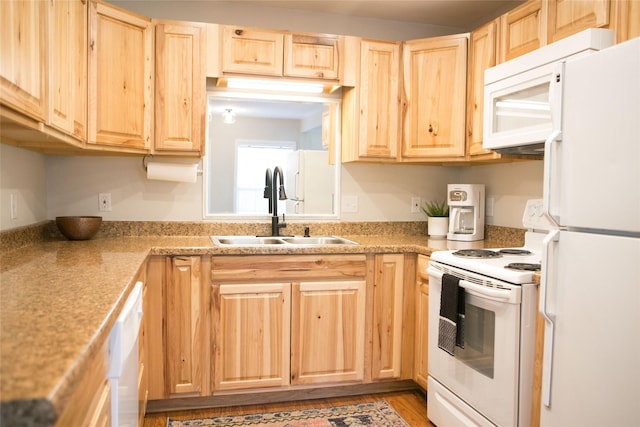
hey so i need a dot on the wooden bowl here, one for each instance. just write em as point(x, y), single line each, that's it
point(78, 227)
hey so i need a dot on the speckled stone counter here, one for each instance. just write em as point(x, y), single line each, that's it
point(59, 300)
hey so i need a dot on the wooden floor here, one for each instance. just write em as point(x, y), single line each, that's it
point(409, 404)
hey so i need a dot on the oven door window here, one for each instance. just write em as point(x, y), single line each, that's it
point(479, 340)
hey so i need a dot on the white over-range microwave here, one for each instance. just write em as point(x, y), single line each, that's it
point(519, 97)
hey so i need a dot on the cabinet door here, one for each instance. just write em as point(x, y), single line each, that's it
point(312, 56)
point(68, 70)
point(567, 17)
point(187, 340)
point(523, 29)
point(482, 55)
point(180, 88)
point(435, 89)
point(252, 335)
point(120, 78)
point(327, 332)
point(420, 369)
point(378, 108)
point(252, 51)
point(23, 68)
point(387, 316)
point(625, 19)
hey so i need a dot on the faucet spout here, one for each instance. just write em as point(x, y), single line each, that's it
point(282, 195)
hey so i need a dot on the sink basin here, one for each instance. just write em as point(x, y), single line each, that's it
point(282, 241)
point(246, 240)
point(324, 240)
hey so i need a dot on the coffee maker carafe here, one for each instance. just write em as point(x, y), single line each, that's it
point(466, 212)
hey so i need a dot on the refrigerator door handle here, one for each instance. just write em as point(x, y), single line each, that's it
point(547, 268)
point(556, 88)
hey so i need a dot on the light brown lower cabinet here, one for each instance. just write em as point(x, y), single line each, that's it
point(420, 370)
point(177, 327)
point(276, 322)
point(251, 335)
point(288, 320)
point(387, 316)
point(327, 331)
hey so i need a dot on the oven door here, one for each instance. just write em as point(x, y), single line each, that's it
point(483, 374)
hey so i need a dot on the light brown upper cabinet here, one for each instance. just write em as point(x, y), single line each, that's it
point(180, 89)
point(24, 46)
point(435, 71)
point(252, 51)
point(371, 109)
point(523, 29)
point(68, 70)
point(311, 56)
point(483, 47)
point(120, 78)
point(625, 17)
point(567, 17)
point(262, 52)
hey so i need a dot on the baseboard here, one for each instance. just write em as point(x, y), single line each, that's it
point(265, 397)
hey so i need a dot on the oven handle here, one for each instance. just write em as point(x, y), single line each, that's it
point(485, 292)
point(480, 291)
point(548, 318)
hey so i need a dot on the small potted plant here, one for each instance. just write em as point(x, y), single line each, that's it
point(437, 218)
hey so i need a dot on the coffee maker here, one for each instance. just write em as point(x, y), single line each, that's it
point(466, 212)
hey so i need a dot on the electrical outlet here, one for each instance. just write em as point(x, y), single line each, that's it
point(104, 202)
point(349, 204)
point(415, 204)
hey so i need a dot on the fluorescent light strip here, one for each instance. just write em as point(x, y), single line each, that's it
point(274, 86)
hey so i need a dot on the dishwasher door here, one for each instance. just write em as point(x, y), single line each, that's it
point(123, 372)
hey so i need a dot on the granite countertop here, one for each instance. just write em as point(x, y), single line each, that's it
point(60, 299)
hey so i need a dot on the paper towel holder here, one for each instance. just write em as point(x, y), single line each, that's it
point(145, 161)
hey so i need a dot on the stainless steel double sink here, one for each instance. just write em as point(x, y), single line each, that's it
point(280, 240)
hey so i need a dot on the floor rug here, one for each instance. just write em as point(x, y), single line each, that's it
point(378, 413)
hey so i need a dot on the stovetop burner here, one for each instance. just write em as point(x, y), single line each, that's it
point(523, 266)
point(477, 253)
point(515, 251)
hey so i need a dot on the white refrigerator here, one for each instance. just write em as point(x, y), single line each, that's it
point(590, 288)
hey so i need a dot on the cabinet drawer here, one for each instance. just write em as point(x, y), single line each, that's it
point(286, 267)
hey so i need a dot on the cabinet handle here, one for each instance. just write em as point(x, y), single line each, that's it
point(432, 130)
point(238, 32)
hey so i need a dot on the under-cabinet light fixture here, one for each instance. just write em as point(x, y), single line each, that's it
point(274, 86)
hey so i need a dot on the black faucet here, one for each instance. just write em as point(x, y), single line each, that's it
point(270, 190)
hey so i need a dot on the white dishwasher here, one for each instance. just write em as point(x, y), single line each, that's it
point(123, 372)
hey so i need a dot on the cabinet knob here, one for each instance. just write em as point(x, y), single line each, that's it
point(238, 32)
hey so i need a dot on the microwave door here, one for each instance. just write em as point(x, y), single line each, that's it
point(517, 110)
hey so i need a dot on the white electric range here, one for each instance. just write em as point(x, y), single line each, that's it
point(486, 378)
